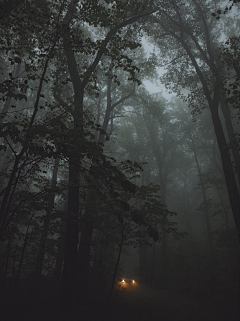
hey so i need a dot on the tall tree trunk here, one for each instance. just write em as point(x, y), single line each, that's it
point(188, 208)
point(117, 262)
point(227, 168)
point(153, 264)
point(164, 263)
point(5, 256)
point(47, 219)
point(234, 148)
point(69, 274)
point(143, 249)
point(204, 196)
point(160, 159)
point(216, 157)
point(213, 103)
point(143, 260)
point(23, 251)
point(86, 237)
point(61, 250)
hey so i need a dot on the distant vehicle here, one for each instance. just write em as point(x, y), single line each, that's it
point(127, 278)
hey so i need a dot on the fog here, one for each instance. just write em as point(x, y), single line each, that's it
point(119, 160)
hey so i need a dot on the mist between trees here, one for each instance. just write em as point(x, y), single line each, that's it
point(93, 165)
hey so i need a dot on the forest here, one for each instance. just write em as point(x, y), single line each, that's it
point(119, 160)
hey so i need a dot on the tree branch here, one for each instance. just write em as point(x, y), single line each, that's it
point(108, 37)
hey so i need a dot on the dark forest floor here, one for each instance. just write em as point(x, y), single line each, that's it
point(172, 305)
point(138, 302)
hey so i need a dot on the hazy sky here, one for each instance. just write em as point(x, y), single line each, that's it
point(156, 86)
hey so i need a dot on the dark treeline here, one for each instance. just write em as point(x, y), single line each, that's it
point(95, 163)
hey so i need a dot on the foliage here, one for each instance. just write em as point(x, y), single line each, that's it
point(72, 89)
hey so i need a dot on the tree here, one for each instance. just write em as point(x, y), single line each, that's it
point(79, 86)
point(197, 53)
point(21, 153)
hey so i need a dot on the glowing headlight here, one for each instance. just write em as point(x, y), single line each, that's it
point(123, 281)
point(133, 281)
